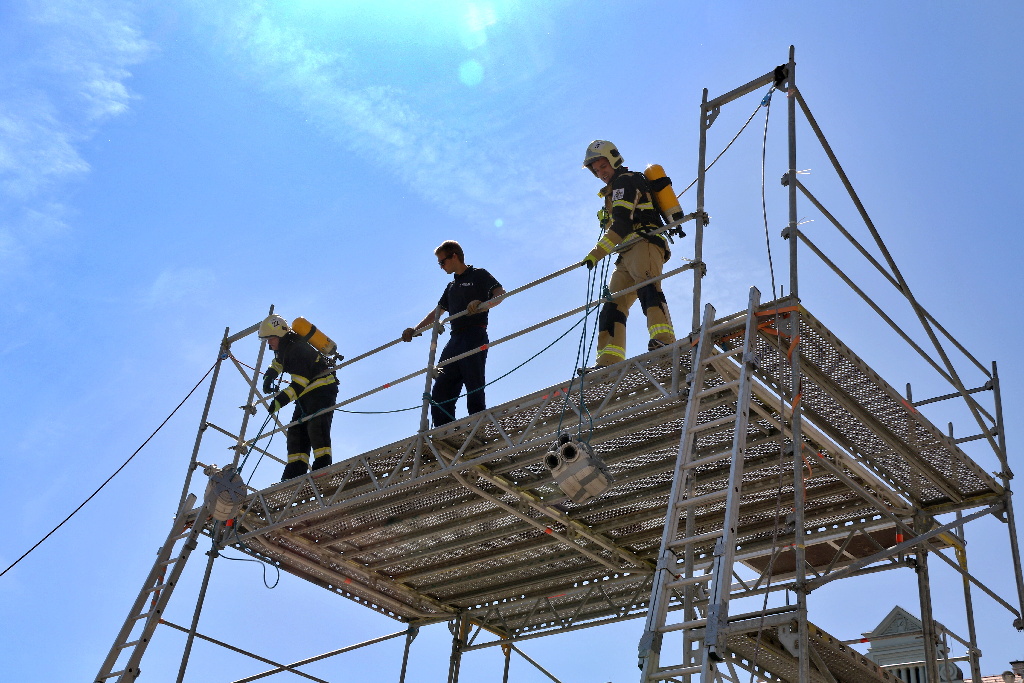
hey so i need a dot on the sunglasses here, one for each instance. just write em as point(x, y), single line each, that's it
point(441, 262)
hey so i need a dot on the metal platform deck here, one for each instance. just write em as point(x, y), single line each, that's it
point(466, 518)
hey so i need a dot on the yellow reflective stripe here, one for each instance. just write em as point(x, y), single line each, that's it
point(646, 206)
point(612, 350)
point(277, 366)
point(623, 203)
point(300, 380)
point(298, 457)
point(660, 329)
point(319, 452)
point(605, 244)
point(322, 382)
point(290, 392)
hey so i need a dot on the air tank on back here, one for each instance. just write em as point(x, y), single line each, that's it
point(664, 195)
point(309, 332)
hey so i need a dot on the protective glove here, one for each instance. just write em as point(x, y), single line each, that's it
point(407, 334)
point(273, 406)
point(591, 261)
point(268, 381)
point(473, 306)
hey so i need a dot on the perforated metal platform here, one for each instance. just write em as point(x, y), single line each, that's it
point(466, 518)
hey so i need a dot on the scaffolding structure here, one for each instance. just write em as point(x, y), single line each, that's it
point(759, 455)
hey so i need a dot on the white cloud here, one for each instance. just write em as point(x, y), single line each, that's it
point(180, 285)
point(469, 165)
point(53, 96)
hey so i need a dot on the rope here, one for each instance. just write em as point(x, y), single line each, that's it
point(262, 452)
point(767, 103)
point(726, 147)
point(583, 349)
point(116, 472)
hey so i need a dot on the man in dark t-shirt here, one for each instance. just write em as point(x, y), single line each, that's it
point(468, 291)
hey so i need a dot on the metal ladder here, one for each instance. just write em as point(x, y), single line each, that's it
point(153, 597)
point(705, 610)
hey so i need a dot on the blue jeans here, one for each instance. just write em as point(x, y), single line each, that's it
point(468, 372)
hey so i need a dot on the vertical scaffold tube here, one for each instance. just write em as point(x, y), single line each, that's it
point(698, 233)
point(410, 636)
point(240, 446)
point(431, 357)
point(924, 591)
point(458, 636)
point(1006, 475)
point(214, 551)
point(800, 580)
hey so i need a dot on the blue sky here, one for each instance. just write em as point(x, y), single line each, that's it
point(171, 169)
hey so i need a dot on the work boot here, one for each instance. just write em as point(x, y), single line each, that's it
point(656, 344)
point(322, 461)
point(294, 469)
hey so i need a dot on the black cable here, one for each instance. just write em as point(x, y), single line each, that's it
point(261, 563)
point(116, 472)
point(734, 138)
point(767, 102)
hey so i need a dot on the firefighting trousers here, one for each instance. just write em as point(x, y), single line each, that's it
point(314, 434)
point(642, 262)
point(468, 373)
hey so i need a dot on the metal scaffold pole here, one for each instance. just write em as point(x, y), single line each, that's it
point(924, 589)
point(799, 492)
point(1006, 475)
point(706, 120)
point(410, 636)
point(435, 331)
point(214, 552)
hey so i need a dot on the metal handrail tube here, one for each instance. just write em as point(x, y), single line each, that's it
point(494, 302)
point(878, 266)
point(904, 287)
point(881, 314)
point(510, 337)
point(549, 321)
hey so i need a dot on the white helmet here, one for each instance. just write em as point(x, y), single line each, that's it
point(273, 326)
point(602, 148)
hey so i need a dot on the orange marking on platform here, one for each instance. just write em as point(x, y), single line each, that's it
point(560, 595)
point(484, 347)
point(773, 311)
point(348, 580)
point(899, 538)
point(547, 530)
point(229, 523)
point(909, 407)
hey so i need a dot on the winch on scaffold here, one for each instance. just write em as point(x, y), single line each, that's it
point(579, 473)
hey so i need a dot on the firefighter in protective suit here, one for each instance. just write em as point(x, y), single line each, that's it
point(313, 388)
point(628, 212)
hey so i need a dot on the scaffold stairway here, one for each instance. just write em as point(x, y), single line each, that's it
point(152, 599)
point(704, 597)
